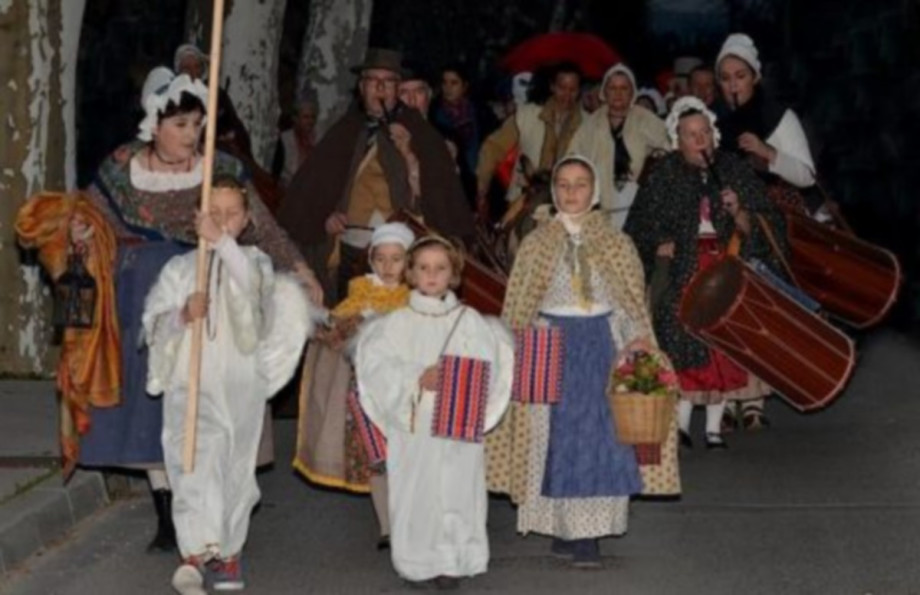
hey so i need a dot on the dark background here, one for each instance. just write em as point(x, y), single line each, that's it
point(850, 68)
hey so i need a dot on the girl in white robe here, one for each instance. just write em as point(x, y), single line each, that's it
point(438, 501)
point(255, 327)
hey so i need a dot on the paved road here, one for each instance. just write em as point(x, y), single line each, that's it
point(824, 503)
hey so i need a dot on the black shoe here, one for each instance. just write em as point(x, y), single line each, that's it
point(562, 549)
point(587, 554)
point(729, 421)
point(165, 539)
point(754, 419)
point(685, 440)
point(383, 544)
point(715, 441)
point(446, 583)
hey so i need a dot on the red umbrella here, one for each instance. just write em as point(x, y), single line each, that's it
point(592, 54)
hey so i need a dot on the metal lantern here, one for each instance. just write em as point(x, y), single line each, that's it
point(75, 295)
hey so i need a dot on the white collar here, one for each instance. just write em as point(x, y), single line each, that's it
point(156, 181)
point(431, 306)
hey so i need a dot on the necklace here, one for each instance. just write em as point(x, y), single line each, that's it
point(432, 314)
point(155, 153)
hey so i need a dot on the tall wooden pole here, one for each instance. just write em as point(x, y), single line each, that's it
point(191, 411)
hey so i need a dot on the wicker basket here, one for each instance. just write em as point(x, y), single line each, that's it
point(640, 418)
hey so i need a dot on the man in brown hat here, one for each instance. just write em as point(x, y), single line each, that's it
point(379, 158)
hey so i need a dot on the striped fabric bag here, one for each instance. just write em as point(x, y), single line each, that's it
point(375, 443)
point(538, 360)
point(460, 405)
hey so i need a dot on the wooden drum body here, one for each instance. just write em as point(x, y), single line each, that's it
point(852, 279)
point(481, 287)
point(801, 356)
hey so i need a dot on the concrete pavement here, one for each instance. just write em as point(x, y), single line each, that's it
point(821, 503)
point(36, 508)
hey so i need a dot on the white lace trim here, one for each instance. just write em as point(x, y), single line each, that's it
point(156, 181)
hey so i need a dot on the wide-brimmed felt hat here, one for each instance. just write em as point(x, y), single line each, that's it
point(381, 58)
point(416, 71)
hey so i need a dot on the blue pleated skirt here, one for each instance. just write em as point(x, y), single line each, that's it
point(129, 434)
point(584, 459)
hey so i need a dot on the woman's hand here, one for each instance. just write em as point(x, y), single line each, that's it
point(731, 202)
point(639, 344)
point(666, 250)
point(752, 144)
point(308, 279)
point(429, 379)
point(196, 306)
point(402, 138)
point(733, 205)
point(207, 228)
point(336, 223)
point(80, 230)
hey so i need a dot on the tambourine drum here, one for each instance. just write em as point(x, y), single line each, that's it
point(853, 280)
point(481, 288)
point(802, 357)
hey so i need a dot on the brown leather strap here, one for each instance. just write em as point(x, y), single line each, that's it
point(768, 231)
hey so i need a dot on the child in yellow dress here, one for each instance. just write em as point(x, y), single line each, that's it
point(329, 452)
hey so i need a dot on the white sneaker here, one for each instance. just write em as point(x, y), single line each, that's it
point(188, 580)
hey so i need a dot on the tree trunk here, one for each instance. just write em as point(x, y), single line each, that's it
point(252, 41)
point(198, 15)
point(38, 49)
point(336, 39)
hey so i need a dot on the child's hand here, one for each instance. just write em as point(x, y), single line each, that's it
point(207, 228)
point(429, 379)
point(348, 326)
point(195, 307)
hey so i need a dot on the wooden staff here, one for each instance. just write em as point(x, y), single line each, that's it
point(191, 411)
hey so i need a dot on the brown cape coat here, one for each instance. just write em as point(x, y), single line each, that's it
point(323, 183)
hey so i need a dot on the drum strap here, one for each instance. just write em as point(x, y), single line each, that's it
point(418, 394)
point(768, 231)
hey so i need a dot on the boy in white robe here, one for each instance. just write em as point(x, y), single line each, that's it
point(255, 325)
point(438, 501)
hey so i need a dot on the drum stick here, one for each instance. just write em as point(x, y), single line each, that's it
point(191, 410)
point(711, 167)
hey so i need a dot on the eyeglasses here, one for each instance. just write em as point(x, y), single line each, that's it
point(389, 81)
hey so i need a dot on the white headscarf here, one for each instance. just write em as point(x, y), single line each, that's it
point(741, 46)
point(684, 105)
point(619, 69)
point(661, 108)
point(572, 221)
point(191, 49)
point(520, 86)
point(161, 87)
point(393, 233)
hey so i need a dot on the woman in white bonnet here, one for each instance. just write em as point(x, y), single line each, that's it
point(753, 124)
point(771, 137)
point(618, 138)
point(148, 191)
point(686, 215)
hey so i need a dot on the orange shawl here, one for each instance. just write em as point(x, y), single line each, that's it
point(89, 372)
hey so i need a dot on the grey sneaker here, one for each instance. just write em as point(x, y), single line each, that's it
point(188, 580)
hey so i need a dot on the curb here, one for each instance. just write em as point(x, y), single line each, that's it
point(45, 513)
